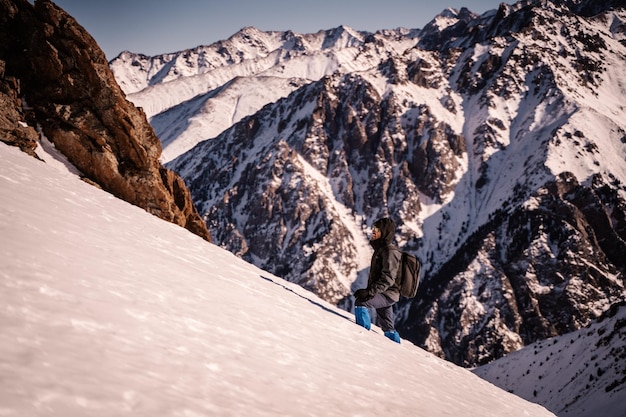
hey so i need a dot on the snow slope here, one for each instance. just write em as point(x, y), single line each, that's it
point(107, 310)
point(580, 374)
point(216, 111)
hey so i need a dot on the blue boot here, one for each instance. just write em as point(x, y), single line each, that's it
point(393, 335)
point(362, 316)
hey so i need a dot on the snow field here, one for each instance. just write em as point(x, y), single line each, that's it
point(108, 310)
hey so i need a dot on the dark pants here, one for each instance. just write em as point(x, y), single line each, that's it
point(384, 310)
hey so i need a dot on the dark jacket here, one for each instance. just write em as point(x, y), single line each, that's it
point(385, 263)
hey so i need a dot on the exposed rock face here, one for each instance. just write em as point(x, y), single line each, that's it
point(51, 62)
point(11, 130)
point(294, 195)
point(546, 269)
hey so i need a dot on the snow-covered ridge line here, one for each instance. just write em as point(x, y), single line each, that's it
point(160, 84)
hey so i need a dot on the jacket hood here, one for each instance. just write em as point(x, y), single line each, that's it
point(387, 229)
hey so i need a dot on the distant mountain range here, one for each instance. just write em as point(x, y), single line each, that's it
point(194, 95)
point(496, 142)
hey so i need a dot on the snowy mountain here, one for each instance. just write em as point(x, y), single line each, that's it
point(108, 310)
point(575, 375)
point(496, 142)
point(194, 95)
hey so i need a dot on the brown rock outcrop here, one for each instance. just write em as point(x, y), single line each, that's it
point(51, 62)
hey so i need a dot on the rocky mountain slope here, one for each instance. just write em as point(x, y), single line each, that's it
point(497, 143)
point(55, 81)
point(544, 200)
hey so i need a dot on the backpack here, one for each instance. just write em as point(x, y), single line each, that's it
point(409, 276)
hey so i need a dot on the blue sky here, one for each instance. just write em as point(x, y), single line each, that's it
point(155, 27)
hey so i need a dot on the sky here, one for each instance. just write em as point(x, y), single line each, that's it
point(108, 310)
point(152, 28)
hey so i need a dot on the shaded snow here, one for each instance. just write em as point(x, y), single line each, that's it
point(107, 310)
point(205, 116)
point(580, 374)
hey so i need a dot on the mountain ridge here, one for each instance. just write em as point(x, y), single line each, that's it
point(294, 57)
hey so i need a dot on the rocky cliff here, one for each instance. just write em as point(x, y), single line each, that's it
point(55, 78)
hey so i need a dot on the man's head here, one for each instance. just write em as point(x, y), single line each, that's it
point(383, 229)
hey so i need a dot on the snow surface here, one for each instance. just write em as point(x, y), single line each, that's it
point(579, 374)
point(215, 111)
point(108, 310)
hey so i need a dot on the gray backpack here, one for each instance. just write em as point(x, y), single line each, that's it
point(409, 275)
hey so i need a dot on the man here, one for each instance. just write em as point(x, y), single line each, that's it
point(382, 292)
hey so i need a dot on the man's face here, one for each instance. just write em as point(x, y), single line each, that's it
point(375, 233)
